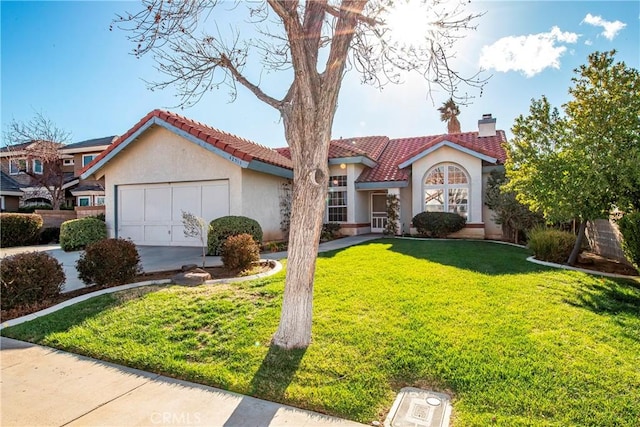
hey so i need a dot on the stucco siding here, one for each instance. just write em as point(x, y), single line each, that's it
point(473, 167)
point(261, 201)
point(160, 156)
point(406, 209)
point(491, 229)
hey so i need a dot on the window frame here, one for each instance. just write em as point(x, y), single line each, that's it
point(17, 161)
point(80, 198)
point(446, 190)
point(337, 192)
point(34, 169)
point(68, 162)
point(84, 156)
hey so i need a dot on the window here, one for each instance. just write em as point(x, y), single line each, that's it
point(446, 189)
point(37, 166)
point(16, 166)
point(68, 162)
point(337, 199)
point(84, 201)
point(87, 158)
point(2, 203)
point(99, 200)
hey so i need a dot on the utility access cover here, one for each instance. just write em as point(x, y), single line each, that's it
point(415, 407)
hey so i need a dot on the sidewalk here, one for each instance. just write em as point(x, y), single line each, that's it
point(47, 387)
point(40, 386)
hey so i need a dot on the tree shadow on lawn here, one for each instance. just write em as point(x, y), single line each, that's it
point(270, 382)
point(619, 300)
point(479, 256)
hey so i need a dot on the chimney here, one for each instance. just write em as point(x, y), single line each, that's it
point(486, 126)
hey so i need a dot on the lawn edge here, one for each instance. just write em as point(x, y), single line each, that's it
point(19, 320)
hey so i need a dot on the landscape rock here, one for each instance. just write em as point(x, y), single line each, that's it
point(197, 276)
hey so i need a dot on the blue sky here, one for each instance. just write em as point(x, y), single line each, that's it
point(60, 58)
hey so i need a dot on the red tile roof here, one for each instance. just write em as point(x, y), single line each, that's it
point(400, 150)
point(388, 154)
point(239, 147)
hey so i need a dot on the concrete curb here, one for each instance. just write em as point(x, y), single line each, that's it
point(277, 267)
point(582, 270)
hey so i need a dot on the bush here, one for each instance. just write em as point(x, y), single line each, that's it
point(551, 245)
point(438, 224)
point(330, 231)
point(32, 208)
point(49, 235)
point(28, 278)
point(76, 234)
point(239, 252)
point(226, 226)
point(109, 262)
point(629, 226)
point(19, 229)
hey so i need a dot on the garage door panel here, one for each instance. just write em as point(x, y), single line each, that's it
point(156, 201)
point(131, 206)
point(151, 214)
point(157, 234)
point(185, 198)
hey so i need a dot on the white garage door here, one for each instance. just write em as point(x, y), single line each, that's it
point(151, 214)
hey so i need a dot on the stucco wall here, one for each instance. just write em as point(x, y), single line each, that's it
point(406, 209)
point(491, 229)
point(473, 167)
point(261, 201)
point(160, 156)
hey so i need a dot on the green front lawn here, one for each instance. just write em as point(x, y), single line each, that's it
point(514, 343)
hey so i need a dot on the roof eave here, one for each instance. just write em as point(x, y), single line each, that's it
point(353, 160)
point(162, 123)
point(373, 185)
point(260, 166)
point(449, 144)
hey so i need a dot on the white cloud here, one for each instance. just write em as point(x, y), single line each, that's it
point(529, 54)
point(611, 28)
point(588, 42)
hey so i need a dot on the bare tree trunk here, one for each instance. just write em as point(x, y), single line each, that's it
point(578, 246)
point(308, 130)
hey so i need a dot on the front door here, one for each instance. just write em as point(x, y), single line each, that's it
point(378, 212)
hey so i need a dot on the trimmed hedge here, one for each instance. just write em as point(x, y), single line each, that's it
point(549, 244)
point(28, 278)
point(76, 234)
point(109, 262)
point(222, 228)
point(438, 224)
point(19, 229)
point(629, 226)
point(239, 252)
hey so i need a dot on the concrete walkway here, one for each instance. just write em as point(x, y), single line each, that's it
point(40, 386)
point(46, 387)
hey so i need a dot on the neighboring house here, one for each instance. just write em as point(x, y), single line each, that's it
point(10, 193)
point(14, 163)
point(75, 158)
point(167, 164)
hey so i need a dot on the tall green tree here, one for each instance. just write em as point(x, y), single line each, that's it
point(583, 163)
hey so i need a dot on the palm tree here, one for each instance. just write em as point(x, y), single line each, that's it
point(449, 113)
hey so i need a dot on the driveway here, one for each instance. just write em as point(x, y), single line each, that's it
point(161, 258)
point(152, 258)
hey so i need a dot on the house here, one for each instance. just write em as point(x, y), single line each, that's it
point(167, 163)
point(76, 157)
point(10, 193)
point(20, 163)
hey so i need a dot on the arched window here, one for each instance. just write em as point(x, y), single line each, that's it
point(446, 189)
